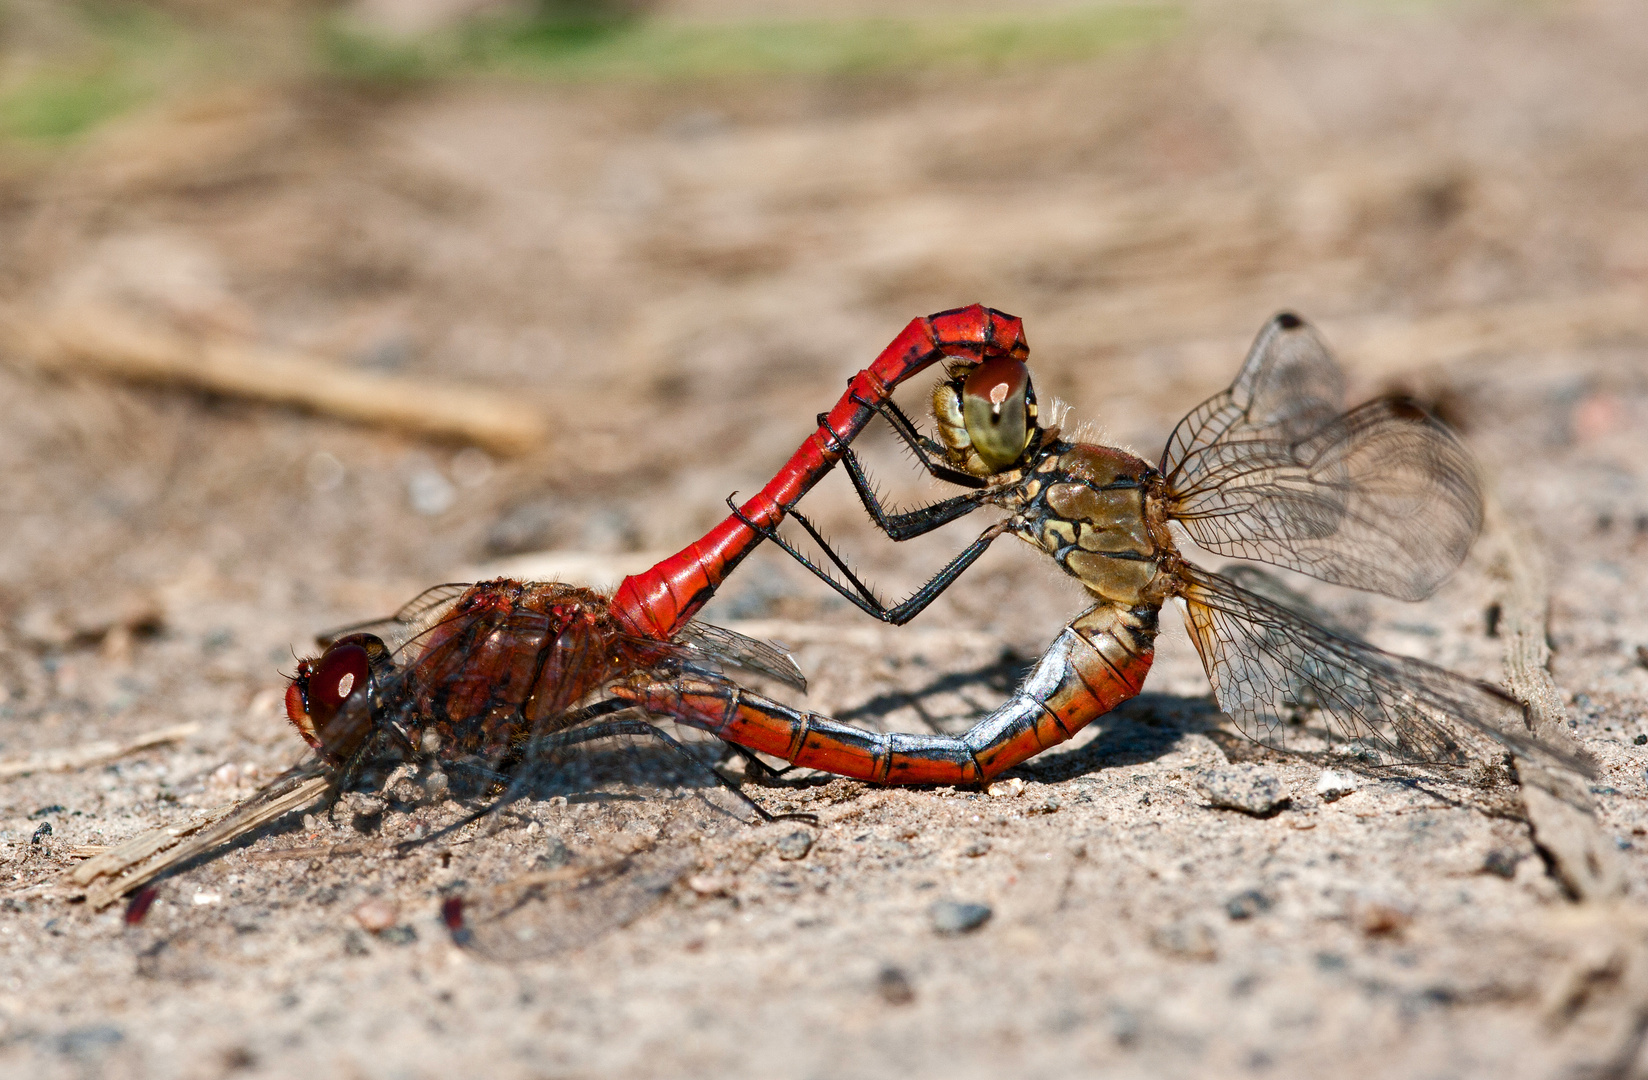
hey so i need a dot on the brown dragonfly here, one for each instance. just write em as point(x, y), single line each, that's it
point(1382, 497)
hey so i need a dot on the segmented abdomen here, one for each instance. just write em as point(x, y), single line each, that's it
point(1099, 661)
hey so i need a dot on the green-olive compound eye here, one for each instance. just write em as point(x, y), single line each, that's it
point(994, 403)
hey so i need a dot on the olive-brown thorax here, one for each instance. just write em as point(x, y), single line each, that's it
point(1096, 510)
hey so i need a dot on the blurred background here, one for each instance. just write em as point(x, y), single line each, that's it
point(308, 305)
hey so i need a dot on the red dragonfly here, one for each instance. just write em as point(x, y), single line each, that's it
point(1382, 497)
point(491, 674)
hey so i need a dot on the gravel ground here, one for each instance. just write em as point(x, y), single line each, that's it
point(679, 276)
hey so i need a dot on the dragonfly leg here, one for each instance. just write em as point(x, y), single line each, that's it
point(607, 729)
point(928, 453)
point(758, 769)
point(897, 526)
point(911, 523)
point(860, 594)
point(1099, 661)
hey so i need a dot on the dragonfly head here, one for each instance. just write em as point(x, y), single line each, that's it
point(329, 701)
point(986, 414)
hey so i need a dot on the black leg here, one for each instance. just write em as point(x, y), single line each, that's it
point(917, 522)
point(757, 768)
point(861, 595)
point(927, 452)
point(591, 732)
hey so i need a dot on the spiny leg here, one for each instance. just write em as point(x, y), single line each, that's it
point(860, 594)
point(928, 454)
point(922, 520)
point(575, 736)
point(758, 770)
point(608, 729)
point(897, 526)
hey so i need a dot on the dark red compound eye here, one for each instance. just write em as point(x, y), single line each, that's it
point(315, 700)
point(338, 674)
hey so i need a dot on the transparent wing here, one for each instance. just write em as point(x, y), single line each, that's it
point(415, 617)
point(730, 648)
point(1268, 663)
point(1383, 498)
point(1288, 385)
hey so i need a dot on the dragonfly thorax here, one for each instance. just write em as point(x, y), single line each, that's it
point(1095, 510)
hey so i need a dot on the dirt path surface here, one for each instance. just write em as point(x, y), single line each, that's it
point(675, 276)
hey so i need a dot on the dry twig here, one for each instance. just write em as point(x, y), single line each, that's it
point(92, 753)
point(1557, 803)
point(104, 341)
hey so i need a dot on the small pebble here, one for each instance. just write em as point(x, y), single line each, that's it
point(201, 899)
point(1006, 789)
point(554, 856)
point(399, 935)
point(452, 915)
point(43, 830)
point(894, 986)
point(1377, 919)
point(377, 914)
point(1502, 861)
point(363, 805)
point(795, 845)
point(953, 917)
point(710, 884)
point(1251, 790)
point(1334, 785)
point(1189, 938)
point(1641, 740)
point(1245, 905)
point(137, 909)
point(976, 849)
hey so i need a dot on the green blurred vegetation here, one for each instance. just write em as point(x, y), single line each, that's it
point(68, 65)
point(589, 43)
point(94, 61)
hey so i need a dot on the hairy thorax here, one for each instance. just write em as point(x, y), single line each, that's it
point(1096, 511)
point(509, 658)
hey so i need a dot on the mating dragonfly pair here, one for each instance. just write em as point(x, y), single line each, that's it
point(1381, 498)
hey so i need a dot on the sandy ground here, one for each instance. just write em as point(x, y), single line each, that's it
point(678, 277)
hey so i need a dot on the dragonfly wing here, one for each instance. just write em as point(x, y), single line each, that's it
point(1383, 498)
point(414, 617)
point(746, 653)
point(421, 606)
point(1268, 663)
point(1289, 383)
